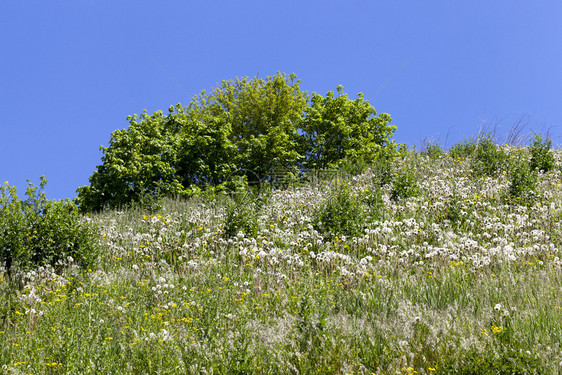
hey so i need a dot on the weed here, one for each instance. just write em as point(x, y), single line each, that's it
point(542, 158)
point(405, 186)
point(488, 159)
point(341, 214)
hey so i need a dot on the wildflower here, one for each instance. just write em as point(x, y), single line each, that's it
point(498, 307)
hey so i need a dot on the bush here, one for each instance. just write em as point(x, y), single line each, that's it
point(463, 149)
point(341, 214)
point(488, 159)
point(433, 150)
point(38, 231)
point(405, 186)
point(542, 159)
point(522, 182)
point(241, 216)
point(382, 171)
point(455, 211)
point(373, 199)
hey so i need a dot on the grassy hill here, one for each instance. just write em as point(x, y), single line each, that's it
point(433, 264)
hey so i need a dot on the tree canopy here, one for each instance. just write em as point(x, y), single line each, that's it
point(246, 128)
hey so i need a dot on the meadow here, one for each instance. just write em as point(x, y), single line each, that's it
point(434, 263)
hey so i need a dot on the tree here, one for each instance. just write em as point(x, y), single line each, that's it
point(337, 129)
point(243, 129)
point(139, 160)
point(265, 116)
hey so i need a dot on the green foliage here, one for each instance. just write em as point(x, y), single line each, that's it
point(244, 126)
point(37, 231)
point(455, 211)
point(433, 150)
point(488, 159)
point(522, 182)
point(241, 216)
point(264, 115)
point(542, 158)
point(382, 171)
point(337, 129)
point(374, 201)
point(509, 360)
point(463, 149)
point(340, 214)
point(139, 161)
point(405, 186)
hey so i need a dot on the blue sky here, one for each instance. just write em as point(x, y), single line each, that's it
point(70, 72)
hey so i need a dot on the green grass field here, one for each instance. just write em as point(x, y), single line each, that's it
point(424, 267)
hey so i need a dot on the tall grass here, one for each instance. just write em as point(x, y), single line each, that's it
point(350, 276)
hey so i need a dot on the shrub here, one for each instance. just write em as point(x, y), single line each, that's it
point(455, 211)
point(341, 214)
point(522, 181)
point(488, 158)
point(463, 149)
point(38, 231)
point(433, 150)
point(542, 159)
point(382, 171)
point(373, 199)
point(405, 186)
point(241, 216)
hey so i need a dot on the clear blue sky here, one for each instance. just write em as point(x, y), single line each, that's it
point(71, 71)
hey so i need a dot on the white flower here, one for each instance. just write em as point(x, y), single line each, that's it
point(498, 307)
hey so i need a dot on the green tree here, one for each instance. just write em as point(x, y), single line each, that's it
point(139, 160)
point(337, 129)
point(244, 130)
point(264, 115)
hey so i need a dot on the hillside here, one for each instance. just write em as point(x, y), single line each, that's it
point(431, 264)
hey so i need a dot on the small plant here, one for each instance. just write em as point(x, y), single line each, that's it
point(542, 159)
point(241, 216)
point(433, 150)
point(373, 199)
point(455, 211)
point(382, 172)
point(38, 231)
point(508, 361)
point(522, 181)
point(489, 158)
point(341, 214)
point(405, 186)
point(463, 149)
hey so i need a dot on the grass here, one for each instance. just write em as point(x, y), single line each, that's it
point(453, 279)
